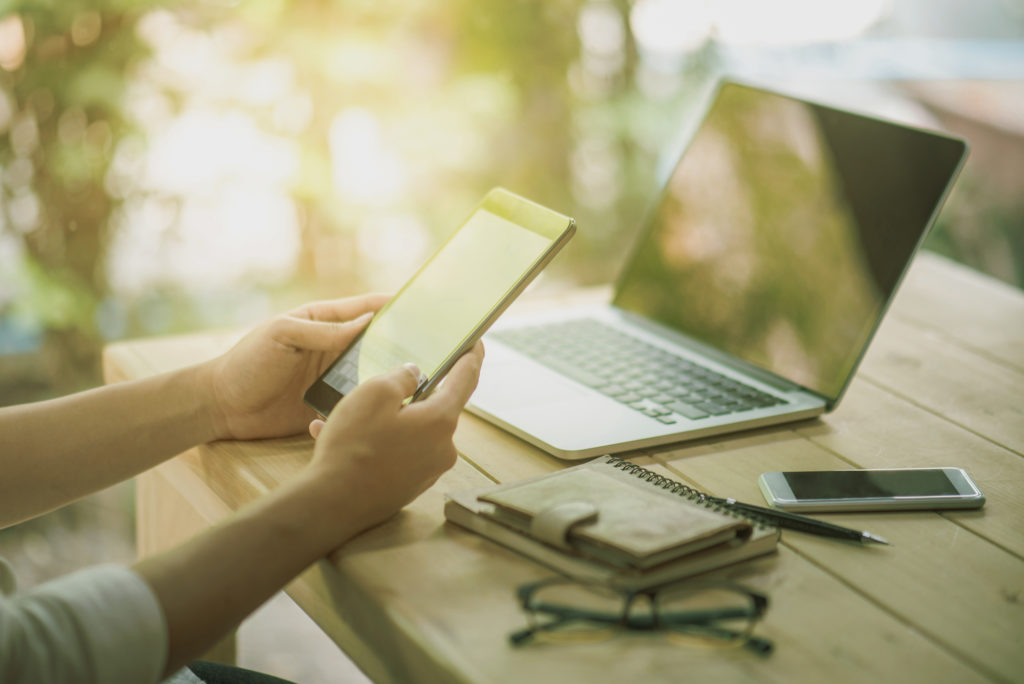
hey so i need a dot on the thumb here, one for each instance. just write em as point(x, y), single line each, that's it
point(396, 384)
point(304, 334)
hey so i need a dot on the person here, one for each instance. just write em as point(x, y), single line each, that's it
point(144, 623)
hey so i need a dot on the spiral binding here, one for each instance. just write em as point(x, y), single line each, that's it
point(687, 492)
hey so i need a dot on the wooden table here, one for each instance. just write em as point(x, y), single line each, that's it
point(418, 600)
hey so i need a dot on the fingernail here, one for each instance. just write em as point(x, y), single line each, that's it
point(414, 369)
point(365, 317)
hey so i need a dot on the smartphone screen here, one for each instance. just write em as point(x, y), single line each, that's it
point(869, 484)
point(450, 301)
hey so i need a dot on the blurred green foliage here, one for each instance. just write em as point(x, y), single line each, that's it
point(475, 94)
point(65, 115)
point(461, 96)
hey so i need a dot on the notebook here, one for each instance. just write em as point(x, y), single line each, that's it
point(752, 292)
point(614, 522)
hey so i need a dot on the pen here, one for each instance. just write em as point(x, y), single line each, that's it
point(801, 523)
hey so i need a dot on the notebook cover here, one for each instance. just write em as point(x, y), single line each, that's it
point(464, 510)
point(635, 526)
point(509, 526)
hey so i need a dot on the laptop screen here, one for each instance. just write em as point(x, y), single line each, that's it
point(784, 230)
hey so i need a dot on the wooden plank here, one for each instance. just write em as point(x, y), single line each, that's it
point(499, 454)
point(903, 435)
point(334, 603)
point(139, 358)
point(312, 592)
point(450, 619)
point(952, 585)
point(927, 369)
point(894, 423)
point(785, 449)
point(961, 304)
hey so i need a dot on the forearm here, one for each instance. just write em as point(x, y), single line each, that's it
point(210, 583)
point(56, 451)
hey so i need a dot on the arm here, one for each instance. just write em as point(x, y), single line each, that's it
point(54, 452)
point(372, 457)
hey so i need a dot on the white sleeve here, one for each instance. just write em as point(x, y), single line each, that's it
point(101, 624)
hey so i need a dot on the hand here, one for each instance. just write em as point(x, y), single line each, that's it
point(258, 385)
point(374, 455)
point(380, 454)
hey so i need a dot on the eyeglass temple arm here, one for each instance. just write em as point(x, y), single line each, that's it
point(758, 645)
point(522, 636)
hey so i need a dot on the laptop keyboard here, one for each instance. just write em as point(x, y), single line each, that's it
point(642, 376)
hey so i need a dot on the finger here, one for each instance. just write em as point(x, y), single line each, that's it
point(460, 382)
point(301, 333)
point(342, 309)
point(316, 427)
point(396, 384)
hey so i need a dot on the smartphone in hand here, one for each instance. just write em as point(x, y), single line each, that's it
point(453, 299)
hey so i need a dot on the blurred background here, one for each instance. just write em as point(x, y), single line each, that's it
point(176, 166)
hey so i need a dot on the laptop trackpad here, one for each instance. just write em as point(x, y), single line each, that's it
point(510, 385)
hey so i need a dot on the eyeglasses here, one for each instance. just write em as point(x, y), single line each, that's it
point(716, 614)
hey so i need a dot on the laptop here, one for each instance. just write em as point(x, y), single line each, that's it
point(752, 292)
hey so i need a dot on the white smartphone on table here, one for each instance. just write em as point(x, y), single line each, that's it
point(871, 489)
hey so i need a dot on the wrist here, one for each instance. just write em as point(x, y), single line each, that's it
point(217, 426)
point(184, 403)
point(332, 510)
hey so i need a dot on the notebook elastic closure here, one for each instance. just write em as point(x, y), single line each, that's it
point(552, 525)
